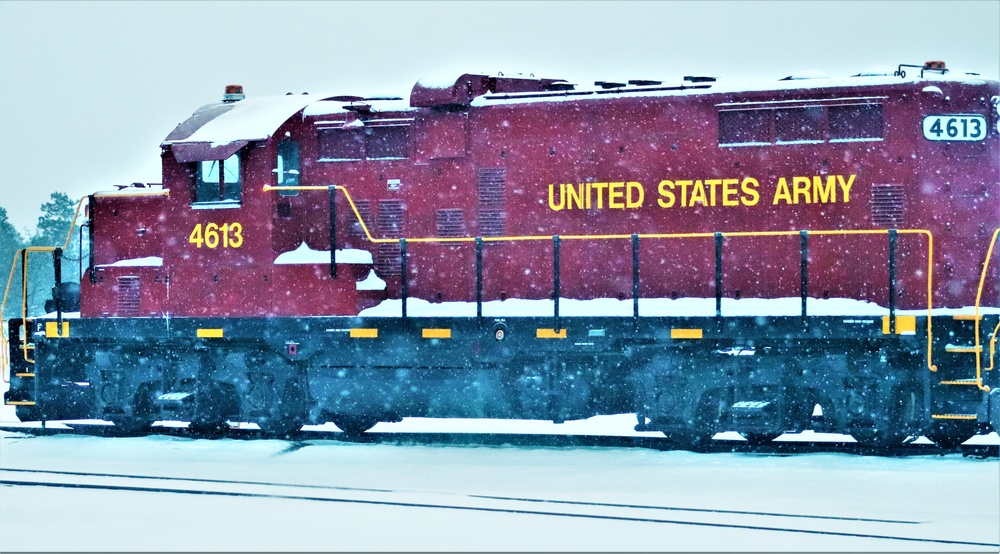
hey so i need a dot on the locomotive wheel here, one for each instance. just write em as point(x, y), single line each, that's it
point(130, 424)
point(950, 434)
point(28, 413)
point(279, 428)
point(355, 426)
point(207, 427)
point(690, 437)
point(878, 438)
point(286, 416)
point(758, 439)
point(888, 431)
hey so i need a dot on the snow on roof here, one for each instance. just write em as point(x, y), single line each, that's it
point(338, 107)
point(250, 119)
point(721, 86)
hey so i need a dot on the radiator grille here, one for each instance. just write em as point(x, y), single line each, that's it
point(365, 209)
point(451, 223)
point(390, 225)
point(129, 293)
point(492, 184)
point(888, 205)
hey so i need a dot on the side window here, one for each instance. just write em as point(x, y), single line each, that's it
point(856, 123)
point(287, 171)
point(388, 142)
point(378, 141)
point(341, 144)
point(800, 125)
point(744, 128)
point(219, 180)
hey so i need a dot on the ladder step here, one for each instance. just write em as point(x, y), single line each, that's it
point(24, 375)
point(19, 403)
point(974, 382)
point(964, 349)
point(955, 416)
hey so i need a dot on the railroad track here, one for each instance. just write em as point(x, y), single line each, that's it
point(892, 531)
point(301, 439)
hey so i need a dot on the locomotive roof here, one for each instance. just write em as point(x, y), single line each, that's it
point(227, 122)
point(813, 82)
point(217, 130)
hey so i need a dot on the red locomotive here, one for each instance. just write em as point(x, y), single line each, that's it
point(707, 256)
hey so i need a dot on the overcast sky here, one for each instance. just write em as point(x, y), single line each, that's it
point(88, 90)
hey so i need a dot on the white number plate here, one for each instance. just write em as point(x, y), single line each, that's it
point(955, 127)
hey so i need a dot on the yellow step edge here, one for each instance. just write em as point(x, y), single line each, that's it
point(686, 333)
point(210, 333)
point(905, 324)
point(52, 330)
point(964, 349)
point(968, 317)
point(19, 403)
point(24, 375)
point(550, 334)
point(364, 333)
point(436, 333)
point(954, 416)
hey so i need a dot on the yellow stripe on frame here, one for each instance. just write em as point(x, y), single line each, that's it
point(550, 334)
point(968, 317)
point(437, 333)
point(905, 324)
point(210, 333)
point(52, 330)
point(363, 333)
point(685, 333)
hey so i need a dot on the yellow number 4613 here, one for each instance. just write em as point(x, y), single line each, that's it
point(229, 234)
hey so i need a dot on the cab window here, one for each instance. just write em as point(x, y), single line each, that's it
point(287, 171)
point(219, 180)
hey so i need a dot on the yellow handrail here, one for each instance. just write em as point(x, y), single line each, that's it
point(928, 234)
point(4, 358)
point(993, 340)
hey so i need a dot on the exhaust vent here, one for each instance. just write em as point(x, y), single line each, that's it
point(887, 205)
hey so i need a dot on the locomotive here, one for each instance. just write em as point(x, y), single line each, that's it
point(807, 253)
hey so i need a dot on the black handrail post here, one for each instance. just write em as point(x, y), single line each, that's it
point(635, 278)
point(718, 274)
point(555, 276)
point(90, 238)
point(479, 277)
point(57, 290)
point(24, 282)
point(333, 231)
point(804, 269)
point(892, 281)
point(403, 273)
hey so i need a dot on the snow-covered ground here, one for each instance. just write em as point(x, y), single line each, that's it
point(270, 495)
point(330, 495)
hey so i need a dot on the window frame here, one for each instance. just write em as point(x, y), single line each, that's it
point(221, 192)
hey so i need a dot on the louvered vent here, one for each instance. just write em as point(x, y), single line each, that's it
point(492, 213)
point(451, 223)
point(390, 225)
point(887, 205)
point(129, 292)
point(365, 209)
